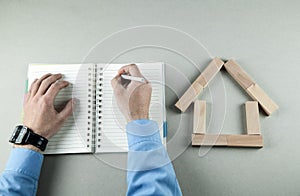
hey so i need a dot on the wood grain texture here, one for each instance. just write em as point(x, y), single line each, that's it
point(245, 140)
point(210, 71)
point(258, 94)
point(252, 117)
point(227, 140)
point(208, 140)
point(189, 96)
point(199, 117)
point(201, 82)
point(238, 74)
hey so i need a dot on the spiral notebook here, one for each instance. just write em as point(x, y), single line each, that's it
point(97, 125)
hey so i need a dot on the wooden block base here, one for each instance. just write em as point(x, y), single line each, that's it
point(255, 141)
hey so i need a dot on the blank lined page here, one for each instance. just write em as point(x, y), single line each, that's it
point(111, 133)
point(76, 134)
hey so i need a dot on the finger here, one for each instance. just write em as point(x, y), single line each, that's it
point(55, 88)
point(47, 82)
point(32, 84)
point(67, 111)
point(36, 84)
point(131, 69)
point(116, 81)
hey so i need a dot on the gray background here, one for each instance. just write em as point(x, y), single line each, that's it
point(263, 36)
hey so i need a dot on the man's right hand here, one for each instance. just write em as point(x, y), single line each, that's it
point(133, 98)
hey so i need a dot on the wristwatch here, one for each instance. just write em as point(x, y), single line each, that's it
point(23, 135)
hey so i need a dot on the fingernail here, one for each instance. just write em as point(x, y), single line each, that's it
point(60, 75)
point(75, 101)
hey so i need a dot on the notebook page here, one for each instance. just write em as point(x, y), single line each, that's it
point(76, 134)
point(111, 133)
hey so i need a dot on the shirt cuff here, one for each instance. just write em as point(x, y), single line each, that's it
point(25, 161)
point(146, 150)
point(143, 135)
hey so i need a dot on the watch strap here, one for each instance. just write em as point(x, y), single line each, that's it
point(37, 140)
point(24, 135)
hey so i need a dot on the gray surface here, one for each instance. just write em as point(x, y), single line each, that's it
point(264, 37)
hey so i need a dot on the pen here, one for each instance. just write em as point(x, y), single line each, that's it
point(138, 79)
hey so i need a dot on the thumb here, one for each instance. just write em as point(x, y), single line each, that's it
point(68, 110)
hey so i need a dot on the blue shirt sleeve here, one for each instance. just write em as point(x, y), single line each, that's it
point(150, 171)
point(22, 172)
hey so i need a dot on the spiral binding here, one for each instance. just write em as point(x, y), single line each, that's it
point(99, 96)
point(91, 106)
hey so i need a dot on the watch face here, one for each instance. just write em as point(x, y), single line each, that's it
point(14, 134)
point(18, 135)
point(21, 135)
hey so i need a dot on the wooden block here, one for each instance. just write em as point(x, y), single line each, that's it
point(245, 140)
point(238, 74)
point(210, 71)
point(257, 93)
point(252, 117)
point(189, 96)
point(199, 116)
point(197, 86)
point(227, 140)
point(208, 140)
point(268, 105)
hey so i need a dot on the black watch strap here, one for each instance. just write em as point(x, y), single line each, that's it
point(24, 135)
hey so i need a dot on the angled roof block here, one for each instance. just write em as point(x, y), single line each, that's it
point(238, 74)
point(258, 94)
point(253, 138)
point(255, 92)
point(201, 82)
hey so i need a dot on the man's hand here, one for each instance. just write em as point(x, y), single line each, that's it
point(133, 98)
point(39, 112)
